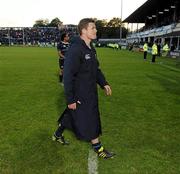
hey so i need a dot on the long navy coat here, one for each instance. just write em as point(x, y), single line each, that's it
point(81, 76)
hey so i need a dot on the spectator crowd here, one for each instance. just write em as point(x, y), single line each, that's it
point(42, 36)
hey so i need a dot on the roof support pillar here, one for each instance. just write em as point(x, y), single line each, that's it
point(177, 48)
point(131, 27)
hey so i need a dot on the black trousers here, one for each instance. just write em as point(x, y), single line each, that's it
point(145, 54)
point(153, 58)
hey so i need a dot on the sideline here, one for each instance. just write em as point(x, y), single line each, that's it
point(92, 162)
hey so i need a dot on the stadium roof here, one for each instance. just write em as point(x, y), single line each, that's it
point(149, 8)
point(176, 33)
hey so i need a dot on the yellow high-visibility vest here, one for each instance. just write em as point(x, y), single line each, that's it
point(166, 47)
point(154, 49)
point(145, 47)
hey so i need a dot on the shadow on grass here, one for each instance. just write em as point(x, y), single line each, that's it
point(39, 154)
point(171, 68)
point(171, 83)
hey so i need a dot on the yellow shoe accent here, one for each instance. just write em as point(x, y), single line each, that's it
point(101, 149)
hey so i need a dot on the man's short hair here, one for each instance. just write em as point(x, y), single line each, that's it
point(63, 36)
point(84, 24)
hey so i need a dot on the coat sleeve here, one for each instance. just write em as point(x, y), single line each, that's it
point(71, 67)
point(101, 81)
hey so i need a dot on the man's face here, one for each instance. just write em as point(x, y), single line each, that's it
point(90, 31)
point(66, 38)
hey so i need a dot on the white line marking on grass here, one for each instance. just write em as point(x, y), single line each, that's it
point(92, 163)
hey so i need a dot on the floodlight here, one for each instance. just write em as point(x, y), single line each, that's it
point(149, 17)
point(160, 12)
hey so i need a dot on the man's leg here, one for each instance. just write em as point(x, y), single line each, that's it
point(145, 55)
point(58, 135)
point(99, 149)
point(59, 131)
point(61, 65)
point(153, 58)
point(60, 77)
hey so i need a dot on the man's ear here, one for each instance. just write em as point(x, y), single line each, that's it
point(83, 31)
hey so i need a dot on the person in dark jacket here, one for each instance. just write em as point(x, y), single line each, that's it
point(81, 76)
point(62, 48)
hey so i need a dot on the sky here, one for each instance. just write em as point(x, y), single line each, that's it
point(24, 13)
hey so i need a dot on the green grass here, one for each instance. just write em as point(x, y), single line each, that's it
point(140, 121)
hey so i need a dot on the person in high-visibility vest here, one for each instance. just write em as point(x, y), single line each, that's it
point(145, 49)
point(116, 46)
point(165, 49)
point(154, 52)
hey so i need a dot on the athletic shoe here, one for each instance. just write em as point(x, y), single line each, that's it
point(104, 153)
point(60, 140)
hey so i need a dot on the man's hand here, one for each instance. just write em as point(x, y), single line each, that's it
point(72, 106)
point(107, 89)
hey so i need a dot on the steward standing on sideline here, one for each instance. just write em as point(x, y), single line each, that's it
point(165, 49)
point(145, 49)
point(154, 52)
point(81, 76)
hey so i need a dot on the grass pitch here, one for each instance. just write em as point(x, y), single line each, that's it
point(140, 121)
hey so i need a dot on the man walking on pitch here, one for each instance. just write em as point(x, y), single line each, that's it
point(81, 76)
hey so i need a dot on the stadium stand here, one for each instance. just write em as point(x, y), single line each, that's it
point(162, 23)
point(31, 36)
